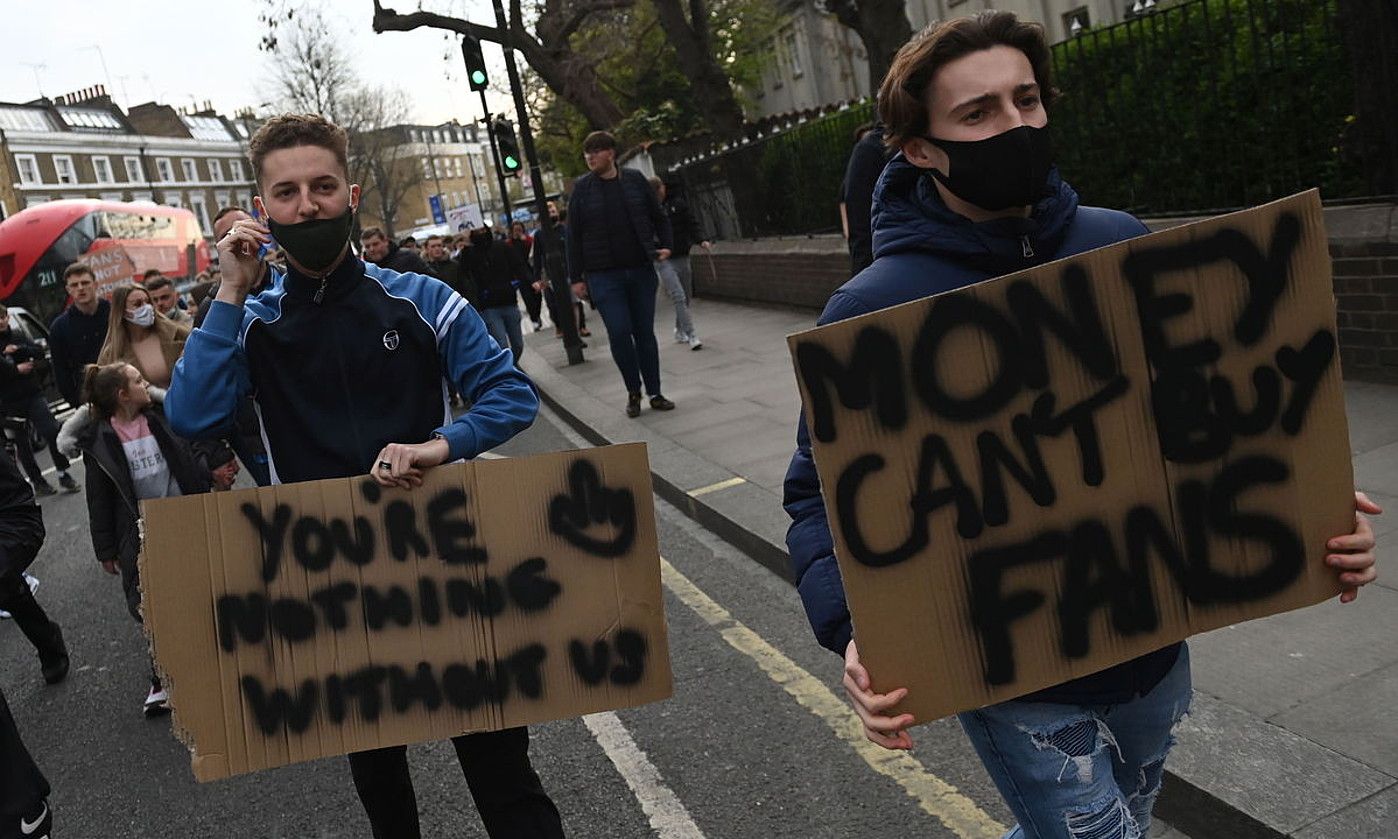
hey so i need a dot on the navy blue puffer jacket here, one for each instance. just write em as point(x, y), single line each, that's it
point(922, 248)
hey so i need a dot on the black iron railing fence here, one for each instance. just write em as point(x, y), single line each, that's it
point(1201, 106)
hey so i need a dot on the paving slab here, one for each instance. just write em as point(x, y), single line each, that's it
point(1276, 663)
point(1282, 779)
point(1355, 717)
point(1375, 817)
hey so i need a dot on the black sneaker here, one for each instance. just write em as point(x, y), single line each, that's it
point(69, 485)
point(660, 403)
point(54, 663)
point(157, 702)
point(37, 823)
point(43, 489)
point(633, 405)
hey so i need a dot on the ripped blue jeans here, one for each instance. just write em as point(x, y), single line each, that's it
point(1081, 771)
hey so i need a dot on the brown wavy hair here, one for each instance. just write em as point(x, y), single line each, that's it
point(102, 383)
point(903, 94)
point(117, 347)
point(291, 130)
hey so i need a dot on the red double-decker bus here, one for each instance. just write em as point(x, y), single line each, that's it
point(119, 241)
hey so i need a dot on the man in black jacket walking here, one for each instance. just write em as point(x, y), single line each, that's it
point(76, 336)
point(21, 395)
point(614, 226)
point(385, 254)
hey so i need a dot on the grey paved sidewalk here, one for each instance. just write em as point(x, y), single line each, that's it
point(1292, 732)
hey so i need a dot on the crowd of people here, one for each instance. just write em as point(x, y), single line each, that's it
point(966, 191)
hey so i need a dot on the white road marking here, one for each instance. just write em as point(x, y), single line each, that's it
point(667, 814)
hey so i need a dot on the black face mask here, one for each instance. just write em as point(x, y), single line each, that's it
point(1008, 170)
point(314, 244)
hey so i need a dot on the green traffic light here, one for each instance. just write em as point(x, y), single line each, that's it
point(478, 76)
point(510, 162)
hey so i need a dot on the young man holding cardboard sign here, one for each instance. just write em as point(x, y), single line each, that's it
point(347, 365)
point(973, 195)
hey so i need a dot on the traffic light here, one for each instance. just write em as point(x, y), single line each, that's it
point(510, 159)
point(475, 63)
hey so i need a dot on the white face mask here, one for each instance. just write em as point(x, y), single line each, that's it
point(142, 315)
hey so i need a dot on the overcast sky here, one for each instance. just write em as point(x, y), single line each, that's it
point(180, 52)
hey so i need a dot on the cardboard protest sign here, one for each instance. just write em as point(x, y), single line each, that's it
point(111, 267)
point(305, 620)
point(1038, 476)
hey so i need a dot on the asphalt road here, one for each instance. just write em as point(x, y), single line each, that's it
point(756, 742)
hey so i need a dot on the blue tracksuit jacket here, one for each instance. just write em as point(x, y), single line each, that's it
point(338, 369)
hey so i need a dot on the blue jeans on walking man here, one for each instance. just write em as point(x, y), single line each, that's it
point(503, 323)
point(626, 299)
point(1070, 771)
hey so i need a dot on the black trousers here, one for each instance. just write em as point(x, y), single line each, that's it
point(507, 792)
point(36, 410)
point(33, 621)
point(22, 785)
point(533, 303)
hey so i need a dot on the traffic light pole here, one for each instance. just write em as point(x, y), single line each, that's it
point(547, 240)
point(495, 156)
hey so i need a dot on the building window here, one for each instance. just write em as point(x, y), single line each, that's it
point(216, 170)
point(438, 168)
point(28, 166)
point(102, 169)
point(164, 170)
point(201, 210)
point(426, 168)
point(191, 171)
point(1076, 22)
point(63, 165)
point(793, 54)
point(456, 166)
point(133, 169)
point(31, 200)
point(235, 169)
point(221, 199)
point(172, 199)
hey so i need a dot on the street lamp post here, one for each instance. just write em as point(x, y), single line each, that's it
point(548, 237)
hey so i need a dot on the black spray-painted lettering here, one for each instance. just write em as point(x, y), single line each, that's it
point(962, 311)
point(249, 619)
point(594, 664)
point(872, 378)
point(1092, 575)
point(1265, 275)
point(1080, 329)
point(273, 534)
point(371, 690)
point(1199, 417)
point(589, 503)
point(315, 542)
point(941, 481)
point(451, 531)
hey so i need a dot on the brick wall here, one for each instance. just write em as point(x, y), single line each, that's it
point(785, 272)
point(1363, 245)
point(1366, 297)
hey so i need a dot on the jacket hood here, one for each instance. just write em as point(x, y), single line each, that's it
point(910, 216)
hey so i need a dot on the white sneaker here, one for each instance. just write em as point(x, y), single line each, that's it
point(681, 338)
point(157, 702)
point(33, 582)
point(695, 343)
